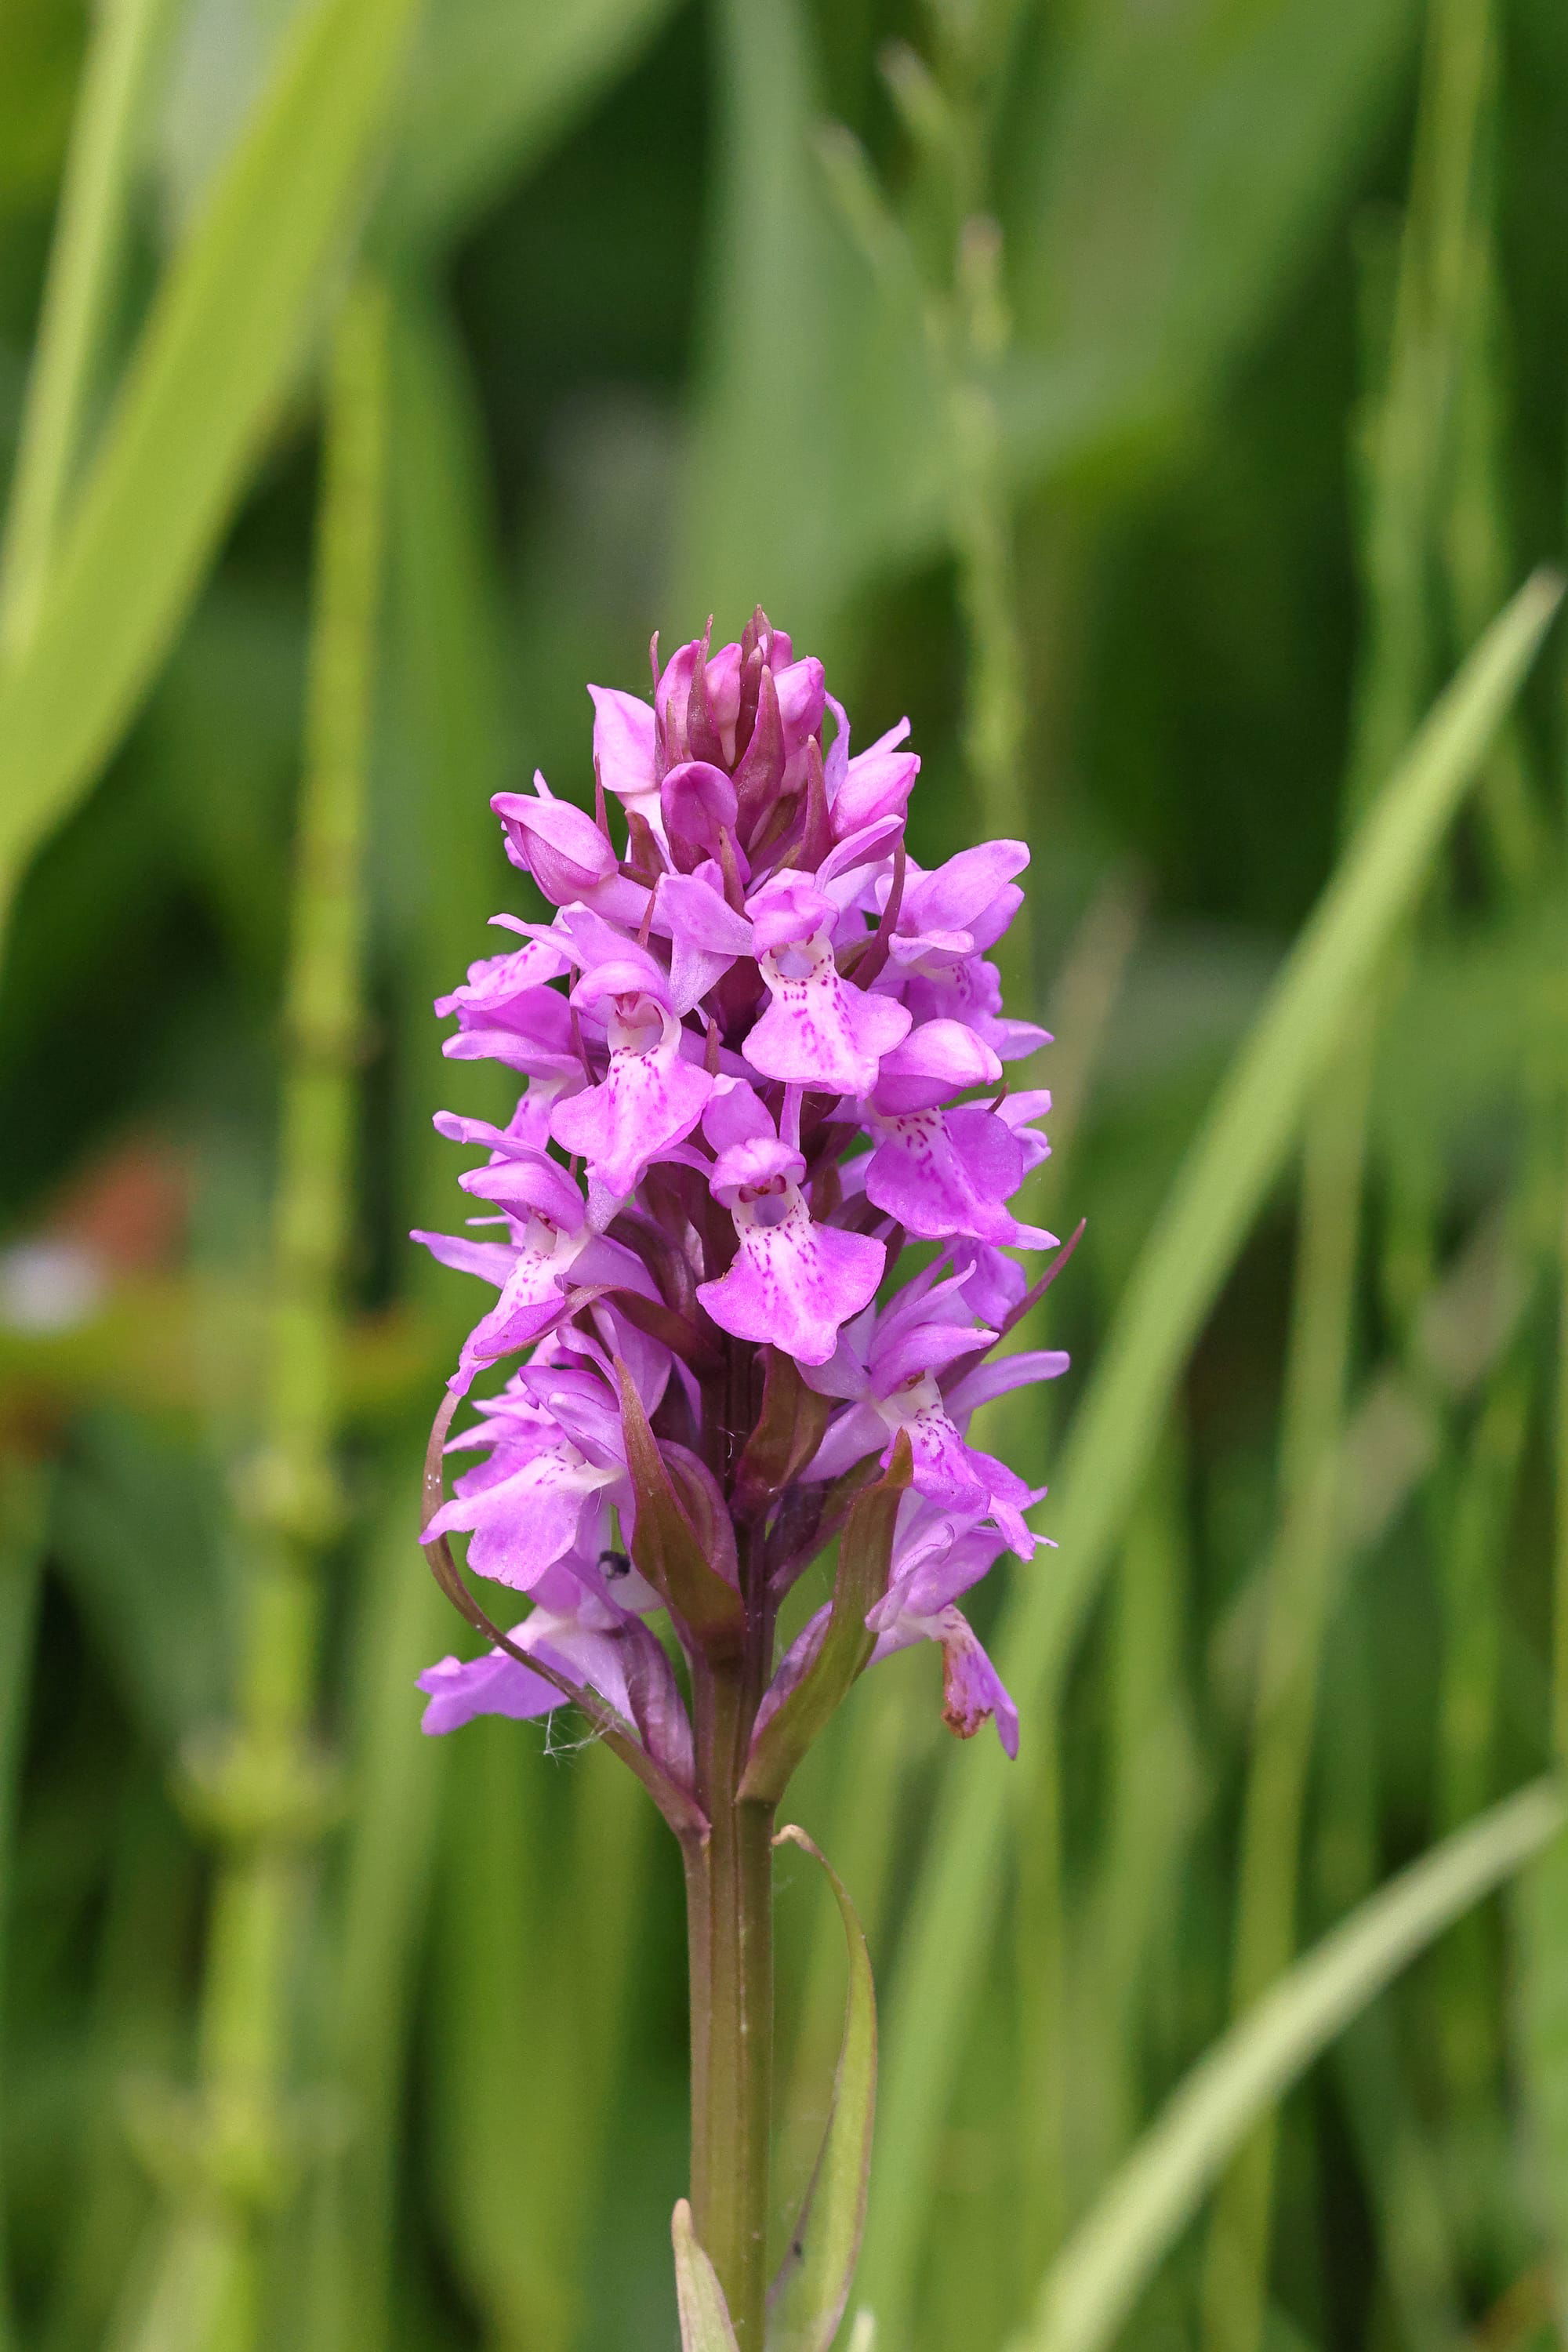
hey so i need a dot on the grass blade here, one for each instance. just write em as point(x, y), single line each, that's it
point(1222, 1184)
point(813, 2287)
point(495, 83)
point(200, 395)
point(1542, 1901)
point(86, 256)
point(1097, 2281)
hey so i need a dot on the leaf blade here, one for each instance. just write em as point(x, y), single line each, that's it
point(865, 1556)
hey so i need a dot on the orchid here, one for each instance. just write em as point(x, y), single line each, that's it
point(752, 1226)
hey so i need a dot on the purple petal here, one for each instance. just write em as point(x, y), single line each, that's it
point(792, 1667)
point(972, 1689)
point(723, 677)
point(835, 765)
point(788, 908)
point(631, 973)
point(531, 1300)
point(936, 1559)
point(855, 1434)
point(993, 919)
point(698, 800)
point(494, 982)
point(993, 1284)
point(801, 703)
point(690, 910)
point(877, 783)
point(935, 1060)
point(996, 1378)
point(527, 1182)
point(492, 1261)
point(498, 1684)
point(946, 1468)
point(957, 895)
point(1020, 1111)
point(736, 1114)
point(924, 1347)
point(869, 845)
point(818, 1031)
point(753, 1162)
point(526, 1519)
point(461, 1688)
point(561, 846)
point(622, 742)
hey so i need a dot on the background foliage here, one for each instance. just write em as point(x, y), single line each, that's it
point(1165, 514)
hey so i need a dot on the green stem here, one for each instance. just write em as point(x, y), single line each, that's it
point(730, 1929)
point(270, 1787)
point(24, 1494)
point(78, 300)
point(994, 703)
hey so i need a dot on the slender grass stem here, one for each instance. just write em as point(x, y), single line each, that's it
point(79, 299)
point(25, 1490)
point(1559, 1546)
point(1469, 1707)
point(272, 1790)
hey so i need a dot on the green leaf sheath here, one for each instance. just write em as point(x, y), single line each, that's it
point(790, 1428)
point(812, 2290)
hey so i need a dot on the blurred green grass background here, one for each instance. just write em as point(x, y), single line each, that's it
point(1165, 515)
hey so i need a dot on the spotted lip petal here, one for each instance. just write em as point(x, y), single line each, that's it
point(819, 1031)
point(944, 1174)
point(648, 1100)
point(793, 1283)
